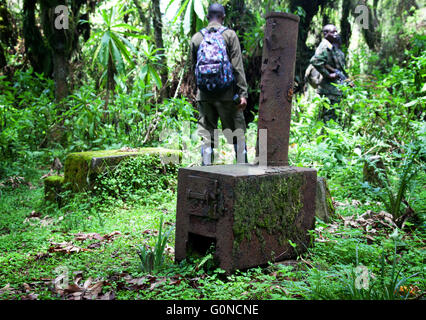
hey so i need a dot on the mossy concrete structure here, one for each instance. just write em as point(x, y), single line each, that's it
point(53, 186)
point(252, 214)
point(82, 168)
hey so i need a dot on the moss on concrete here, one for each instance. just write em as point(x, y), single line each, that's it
point(81, 169)
point(53, 186)
point(268, 203)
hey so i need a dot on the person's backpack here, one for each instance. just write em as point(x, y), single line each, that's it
point(213, 71)
point(313, 77)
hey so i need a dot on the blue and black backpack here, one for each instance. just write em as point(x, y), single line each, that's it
point(213, 71)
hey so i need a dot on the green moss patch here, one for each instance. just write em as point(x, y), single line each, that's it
point(269, 203)
point(82, 168)
point(53, 186)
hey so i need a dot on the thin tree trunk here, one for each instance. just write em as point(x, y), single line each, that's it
point(372, 34)
point(110, 85)
point(3, 62)
point(145, 20)
point(345, 26)
point(158, 35)
point(36, 50)
point(60, 73)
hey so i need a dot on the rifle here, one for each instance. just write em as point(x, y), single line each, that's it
point(342, 77)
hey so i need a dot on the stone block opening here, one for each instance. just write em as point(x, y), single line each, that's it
point(199, 246)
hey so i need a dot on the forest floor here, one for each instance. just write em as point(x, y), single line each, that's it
point(77, 252)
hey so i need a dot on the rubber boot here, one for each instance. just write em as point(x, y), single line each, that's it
point(206, 156)
point(243, 156)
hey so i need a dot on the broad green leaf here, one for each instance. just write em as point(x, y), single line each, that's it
point(105, 17)
point(137, 36)
point(188, 17)
point(199, 9)
point(185, 4)
point(155, 76)
point(170, 3)
point(122, 48)
point(127, 26)
point(143, 73)
point(127, 43)
point(104, 48)
point(117, 58)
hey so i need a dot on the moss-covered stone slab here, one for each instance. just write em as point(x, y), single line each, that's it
point(82, 168)
point(53, 186)
point(252, 214)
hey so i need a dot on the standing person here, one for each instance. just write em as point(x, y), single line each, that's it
point(329, 60)
point(221, 84)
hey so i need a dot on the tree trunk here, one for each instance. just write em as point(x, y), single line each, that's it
point(110, 85)
point(372, 34)
point(345, 26)
point(8, 34)
point(158, 35)
point(60, 42)
point(36, 49)
point(3, 62)
point(144, 20)
point(60, 73)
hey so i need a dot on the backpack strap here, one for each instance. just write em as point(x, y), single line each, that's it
point(203, 31)
point(222, 29)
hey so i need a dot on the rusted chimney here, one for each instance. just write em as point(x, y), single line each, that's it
point(276, 88)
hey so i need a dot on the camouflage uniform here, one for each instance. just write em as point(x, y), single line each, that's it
point(327, 54)
point(213, 106)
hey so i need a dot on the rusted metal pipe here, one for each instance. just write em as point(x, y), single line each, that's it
point(277, 83)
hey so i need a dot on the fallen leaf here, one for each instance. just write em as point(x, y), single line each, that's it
point(88, 291)
point(94, 245)
point(157, 283)
point(95, 236)
point(175, 282)
point(27, 287)
point(15, 182)
point(34, 214)
point(150, 232)
point(66, 247)
point(6, 288)
point(30, 296)
point(108, 296)
point(87, 236)
point(170, 250)
point(110, 236)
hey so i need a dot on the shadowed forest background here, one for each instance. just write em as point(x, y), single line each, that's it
point(119, 78)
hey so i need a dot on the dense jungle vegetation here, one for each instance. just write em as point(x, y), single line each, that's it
point(119, 77)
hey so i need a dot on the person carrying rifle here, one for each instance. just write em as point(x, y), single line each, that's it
point(330, 62)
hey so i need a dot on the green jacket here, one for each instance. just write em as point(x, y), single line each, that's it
point(235, 56)
point(327, 54)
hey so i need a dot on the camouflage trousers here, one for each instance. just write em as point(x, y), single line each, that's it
point(233, 125)
point(328, 114)
point(230, 117)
